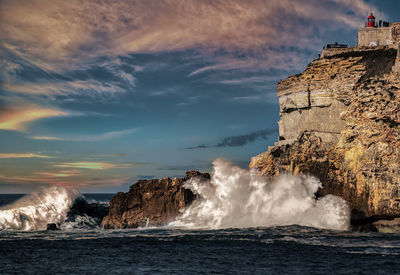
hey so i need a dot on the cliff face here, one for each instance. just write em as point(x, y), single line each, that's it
point(340, 121)
point(150, 202)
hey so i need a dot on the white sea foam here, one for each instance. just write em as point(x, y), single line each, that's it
point(80, 222)
point(240, 198)
point(36, 210)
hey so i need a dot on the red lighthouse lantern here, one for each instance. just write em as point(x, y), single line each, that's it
point(371, 21)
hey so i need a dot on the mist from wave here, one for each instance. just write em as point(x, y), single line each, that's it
point(238, 198)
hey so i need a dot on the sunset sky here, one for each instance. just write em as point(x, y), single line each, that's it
point(95, 95)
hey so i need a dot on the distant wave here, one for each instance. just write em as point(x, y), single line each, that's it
point(66, 208)
point(238, 198)
point(36, 210)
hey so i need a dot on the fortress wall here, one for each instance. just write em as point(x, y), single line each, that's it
point(380, 36)
point(327, 53)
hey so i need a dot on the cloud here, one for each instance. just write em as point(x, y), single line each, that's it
point(237, 141)
point(88, 165)
point(65, 88)
point(99, 137)
point(19, 118)
point(242, 140)
point(79, 47)
point(201, 146)
point(23, 155)
point(62, 34)
point(58, 174)
point(33, 181)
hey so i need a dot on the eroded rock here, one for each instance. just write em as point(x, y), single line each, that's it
point(153, 202)
point(351, 144)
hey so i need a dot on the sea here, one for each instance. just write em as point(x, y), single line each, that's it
point(86, 248)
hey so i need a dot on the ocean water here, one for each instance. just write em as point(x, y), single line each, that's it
point(258, 250)
point(289, 249)
point(243, 224)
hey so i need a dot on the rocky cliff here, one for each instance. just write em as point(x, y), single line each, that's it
point(150, 202)
point(340, 121)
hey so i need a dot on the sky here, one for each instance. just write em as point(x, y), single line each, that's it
point(95, 95)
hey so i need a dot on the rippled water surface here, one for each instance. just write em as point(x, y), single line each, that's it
point(291, 249)
point(260, 250)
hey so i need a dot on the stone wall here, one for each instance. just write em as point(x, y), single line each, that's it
point(374, 36)
point(379, 36)
point(351, 51)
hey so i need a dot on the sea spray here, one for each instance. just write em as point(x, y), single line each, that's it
point(238, 198)
point(36, 210)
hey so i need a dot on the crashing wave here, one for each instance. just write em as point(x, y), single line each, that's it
point(59, 207)
point(36, 210)
point(238, 198)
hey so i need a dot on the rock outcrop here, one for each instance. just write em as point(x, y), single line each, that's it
point(340, 121)
point(153, 202)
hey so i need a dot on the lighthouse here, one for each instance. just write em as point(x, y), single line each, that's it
point(371, 21)
point(379, 34)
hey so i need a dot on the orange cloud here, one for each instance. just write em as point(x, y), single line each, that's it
point(62, 88)
point(98, 137)
point(23, 155)
point(62, 181)
point(18, 119)
point(46, 138)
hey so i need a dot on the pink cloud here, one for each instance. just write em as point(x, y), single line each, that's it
point(60, 34)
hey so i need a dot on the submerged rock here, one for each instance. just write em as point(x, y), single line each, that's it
point(340, 122)
point(153, 202)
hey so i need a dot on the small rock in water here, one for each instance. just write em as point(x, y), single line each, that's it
point(52, 226)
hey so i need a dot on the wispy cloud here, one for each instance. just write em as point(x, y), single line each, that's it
point(88, 29)
point(73, 182)
point(65, 88)
point(233, 35)
point(23, 155)
point(241, 140)
point(99, 137)
point(93, 165)
point(237, 141)
point(19, 118)
point(88, 165)
point(58, 174)
point(201, 146)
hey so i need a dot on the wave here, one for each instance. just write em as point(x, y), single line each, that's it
point(65, 208)
point(36, 210)
point(238, 198)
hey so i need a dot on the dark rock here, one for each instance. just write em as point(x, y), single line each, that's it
point(52, 227)
point(81, 207)
point(153, 202)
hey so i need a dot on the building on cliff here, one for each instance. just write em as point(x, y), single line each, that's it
point(383, 33)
